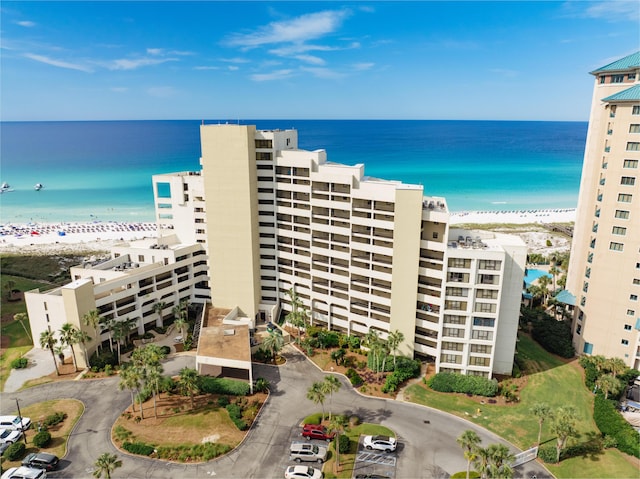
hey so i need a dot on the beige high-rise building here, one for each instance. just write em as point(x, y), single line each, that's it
point(604, 273)
point(361, 253)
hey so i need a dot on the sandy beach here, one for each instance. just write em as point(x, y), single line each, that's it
point(55, 238)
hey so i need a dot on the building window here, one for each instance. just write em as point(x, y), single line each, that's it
point(579, 329)
point(451, 358)
point(459, 263)
point(634, 128)
point(590, 258)
point(617, 78)
point(585, 286)
point(483, 335)
point(264, 144)
point(592, 243)
point(588, 348)
point(602, 79)
point(487, 322)
point(485, 308)
point(631, 76)
point(631, 312)
point(633, 146)
point(616, 246)
point(619, 230)
point(435, 235)
point(622, 214)
point(587, 272)
point(489, 264)
point(624, 198)
point(635, 110)
point(480, 348)
point(477, 361)
point(630, 164)
point(163, 190)
point(625, 342)
point(628, 180)
point(636, 281)
point(627, 327)
point(633, 297)
point(583, 300)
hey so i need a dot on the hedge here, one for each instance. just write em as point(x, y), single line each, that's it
point(231, 387)
point(554, 336)
point(611, 423)
point(55, 418)
point(405, 369)
point(139, 448)
point(235, 413)
point(19, 363)
point(447, 382)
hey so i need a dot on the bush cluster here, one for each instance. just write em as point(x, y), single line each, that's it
point(611, 423)
point(55, 418)
point(19, 363)
point(405, 369)
point(547, 454)
point(42, 439)
point(231, 387)
point(344, 443)
point(447, 382)
point(223, 401)
point(235, 413)
point(15, 451)
point(354, 377)
point(139, 448)
point(192, 452)
point(98, 362)
point(371, 363)
point(553, 335)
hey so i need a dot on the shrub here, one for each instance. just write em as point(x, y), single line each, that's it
point(262, 385)
point(388, 363)
point(19, 363)
point(235, 413)
point(554, 336)
point(459, 383)
point(611, 423)
point(165, 350)
point(547, 454)
point(463, 475)
point(354, 377)
point(405, 369)
point(328, 339)
point(344, 443)
point(100, 361)
point(354, 342)
point(231, 387)
point(139, 448)
point(223, 401)
point(42, 439)
point(15, 451)
point(313, 419)
point(55, 418)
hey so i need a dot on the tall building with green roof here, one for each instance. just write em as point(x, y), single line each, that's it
point(604, 272)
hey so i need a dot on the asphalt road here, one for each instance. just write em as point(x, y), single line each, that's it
point(427, 445)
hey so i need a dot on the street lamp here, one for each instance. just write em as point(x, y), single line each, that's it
point(24, 433)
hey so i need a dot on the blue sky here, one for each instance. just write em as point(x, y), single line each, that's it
point(308, 60)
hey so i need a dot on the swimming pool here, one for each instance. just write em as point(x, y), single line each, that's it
point(533, 274)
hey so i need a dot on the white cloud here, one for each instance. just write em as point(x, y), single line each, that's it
point(233, 68)
point(155, 51)
point(310, 59)
point(275, 75)
point(614, 10)
point(205, 67)
point(297, 30)
point(363, 66)
point(132, 64)
point(26, 23)
point(324, 73)
point(58, 63)
point(235, 60)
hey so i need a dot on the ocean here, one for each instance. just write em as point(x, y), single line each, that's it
point(101, 170)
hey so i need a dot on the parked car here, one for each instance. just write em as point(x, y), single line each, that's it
point(9, 436)
point(41, 460)
point(3, 447)
point(15, 422)
point(24, 473)
point(380, 443)
point(315, 431)
point(300, 452)
point(300, 472)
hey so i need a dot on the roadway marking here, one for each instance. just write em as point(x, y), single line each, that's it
point(375, 458)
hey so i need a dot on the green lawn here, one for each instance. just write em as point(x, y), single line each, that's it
point(552, 381)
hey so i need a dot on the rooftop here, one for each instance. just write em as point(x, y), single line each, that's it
point(225, 341)
point(630, 61)
point(630, 94)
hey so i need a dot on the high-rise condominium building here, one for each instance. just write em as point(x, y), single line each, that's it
point(604, 272)
point(361, 253)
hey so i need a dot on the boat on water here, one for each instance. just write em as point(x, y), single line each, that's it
point(38, 186)
point(5, 187)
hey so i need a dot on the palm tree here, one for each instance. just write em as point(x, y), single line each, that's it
point(541, 411)
point(68, 337)
point(109, 324)
point(316, 394)
point(563, 425)
point(298, 315)
point(181, 323)
point(609, 384)
point(274, 342)
point(500, 460)
point(48, 341)
point(331, 385)
point(106, 464)
point(130, 379)
point(118, 332)
point(615, 365)
point(92, 319)
point(482, 462)
point(158, 308)
point(21, 318)
point(9, 285)
point(82, 338)
point(393, 341)
point(553, 271)
point(154, 376)
point(469, 441)
point(337, 425)
point(188, 383)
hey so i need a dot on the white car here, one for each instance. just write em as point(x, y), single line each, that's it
point(302, 472)
point(15, 422)
point(8, 436)
point(380, 443)
point(24, 473)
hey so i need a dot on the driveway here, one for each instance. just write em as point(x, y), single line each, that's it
point(426, 437)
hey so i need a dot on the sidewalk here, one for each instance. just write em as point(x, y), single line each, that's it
point(40, 364)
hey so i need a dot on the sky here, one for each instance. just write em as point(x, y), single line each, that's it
point(440, 60)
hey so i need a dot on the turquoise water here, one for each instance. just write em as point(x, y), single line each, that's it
point(533, 274)
point(102, 170)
